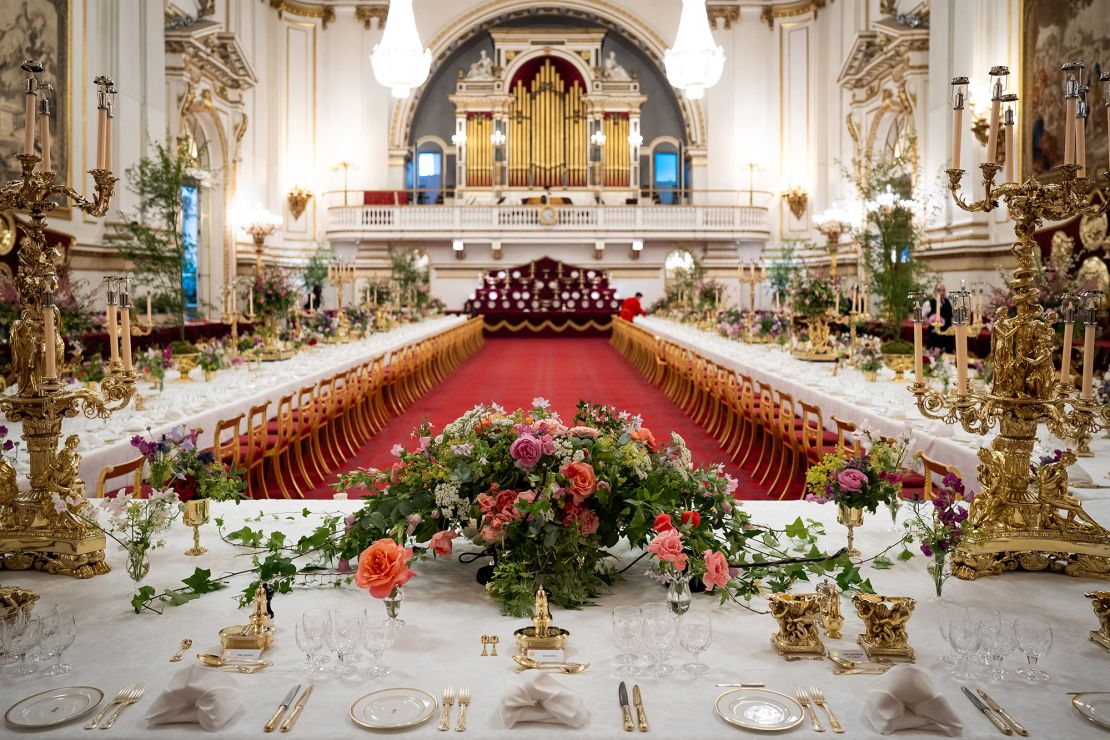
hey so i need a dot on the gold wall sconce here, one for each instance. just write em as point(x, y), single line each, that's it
point(599, 250)
point(796, 199)
point(495, 249)
point(459, 248)
point(298, 201)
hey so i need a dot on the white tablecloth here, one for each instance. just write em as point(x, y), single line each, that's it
point(882, 407)
point(231, 392)
point(447, 612)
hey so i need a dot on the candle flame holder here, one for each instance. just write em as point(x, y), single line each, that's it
point(1019, 520)
point(33, 533)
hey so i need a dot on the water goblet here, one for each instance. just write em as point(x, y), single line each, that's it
point(20, 637)
point(695, 631)
point(346, 633)
point(1034, 637)
point(943, 622)
point(628, 628)
point(660, 630)
point(988, 618)
point(310, 644)
point(10, 625)
point(964, 635)
point(57, 641)
point(999, 640)
point(379, 638)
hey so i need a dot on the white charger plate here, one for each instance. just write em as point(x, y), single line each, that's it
point(391, 709)
point(1094, 706)
point(759, 709)
point(53, 707)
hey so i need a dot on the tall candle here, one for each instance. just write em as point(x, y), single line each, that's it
point(1008, 171)
point(1088, 359)
point(957, 136)
point(936, 308)
point(50, 370)
point(29, 118)
point(125, 329)
point(992, 137)
point(250, 301)
point(311, 300)
point(113, 333)
point(108, 138)
point(1081, 145)
point(101, 119)
point(1069, 130)
point(1065, 359)
point(961, 359)
point(44, 135)
point(149, 316)
point(918, 354)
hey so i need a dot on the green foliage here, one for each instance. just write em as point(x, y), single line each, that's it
point(409, 276)
point(181, 347)
point(315, 274)
point(781, 269)
point(897, 347)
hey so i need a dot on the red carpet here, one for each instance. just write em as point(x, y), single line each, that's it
point(513, 371)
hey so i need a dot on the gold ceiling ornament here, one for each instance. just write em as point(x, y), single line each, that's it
point(298, 201)
point(789, 10)
point(796, 199)
point(1019, 523)
point(723, 14)
point(46, 526)
point(367, 14)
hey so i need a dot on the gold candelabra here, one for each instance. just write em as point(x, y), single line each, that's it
point(259, 226)
point(1019, 523)
point(43, 527)
point(341, 273)
point(229, 311)
point(748, 274)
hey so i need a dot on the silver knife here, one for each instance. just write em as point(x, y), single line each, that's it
point(622, 694)
point(641, 715)
point(281, 709)
point(998, 721)
point(1018, 727)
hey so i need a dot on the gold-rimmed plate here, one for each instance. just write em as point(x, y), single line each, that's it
point(1094, 706)
point(392, 709)
point(53, 707)
point(759, 709)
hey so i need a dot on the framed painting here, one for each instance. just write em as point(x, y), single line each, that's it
point(39, 30)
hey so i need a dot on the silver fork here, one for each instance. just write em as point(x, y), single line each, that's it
point(803, 699)
point(464, 702)
point(120, 696)
point(133, 697)
point(448, 700)
point(819, 699)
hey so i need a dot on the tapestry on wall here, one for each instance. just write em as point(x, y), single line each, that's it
point(38, 30)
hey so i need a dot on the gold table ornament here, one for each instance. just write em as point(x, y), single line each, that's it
point(542, 635)
point(196, 516)
point(832, 619)
point(258, 633)
point(884, 620)
point(797, 615)
point(851, 517)
point(33, 533)
point(1100, 602)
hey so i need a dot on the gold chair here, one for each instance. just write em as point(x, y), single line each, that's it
point(132, 468)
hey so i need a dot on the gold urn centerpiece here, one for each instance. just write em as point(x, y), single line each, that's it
point(185, 363)
point(900, 364)
point(542, 635)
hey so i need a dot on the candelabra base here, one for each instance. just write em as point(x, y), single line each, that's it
point(825, 354)
point(1034, 550)
point(80, 555)
point(275, 355)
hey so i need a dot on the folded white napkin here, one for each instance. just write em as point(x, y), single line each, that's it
point(905, 699)
point(537, 697)
point(197, 694)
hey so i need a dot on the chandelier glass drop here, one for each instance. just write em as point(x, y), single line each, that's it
point(694, 63)
point(400, 61)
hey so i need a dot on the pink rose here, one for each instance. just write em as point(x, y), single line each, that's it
point(851, 480)
point(716, 570)
point(668, 546)
point(441, 542)
point(526, 450)
point(583, 432)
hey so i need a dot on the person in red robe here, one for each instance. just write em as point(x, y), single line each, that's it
point(631, 307)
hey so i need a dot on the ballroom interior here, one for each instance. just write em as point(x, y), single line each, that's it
point(676, 323)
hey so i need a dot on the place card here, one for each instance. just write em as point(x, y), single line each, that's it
point(545, 656)
point(243, 654)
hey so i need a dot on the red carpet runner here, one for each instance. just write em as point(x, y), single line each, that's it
point(513, 371)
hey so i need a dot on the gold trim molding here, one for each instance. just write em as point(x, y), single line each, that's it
point(365, 14)
point(723, 15)
point(771, 13)
point(324, 13)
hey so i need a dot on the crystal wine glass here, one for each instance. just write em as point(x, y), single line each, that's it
point(57, 641)
point(379, 638)
point(311, 643)
point(964, 634)
point(1035, 640)
point(695, 631)
point(943, 622)
point(20, 637)
point(999, 640)
point(628, 628)
point(660, 630)
point(9, 626)
point(346, 633)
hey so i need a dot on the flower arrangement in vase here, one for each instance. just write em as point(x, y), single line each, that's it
point(869, 358)
point(940, 525)
point(154, 363)
point(383, 570)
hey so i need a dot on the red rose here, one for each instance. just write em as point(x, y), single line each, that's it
point(663, 523)
point(692, 518)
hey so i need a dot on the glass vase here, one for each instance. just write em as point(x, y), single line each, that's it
point(138, 562)
point(678, 593)
point(393, 607)
point(938, 570)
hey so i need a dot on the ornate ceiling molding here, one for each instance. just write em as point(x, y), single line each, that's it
point(366, 14)
point(789, 10)
point(319, 10)
point(209, 53)
point(723, 14)
point(886, 53)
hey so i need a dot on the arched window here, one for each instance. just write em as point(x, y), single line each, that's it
point(667, 175)
point(428, 172)
point(191, 208)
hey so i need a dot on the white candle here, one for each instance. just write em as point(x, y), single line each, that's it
point(1008, 171)
point(108, 139)
point(44, 134)
point(101, 118)
point(311, 300)
point(125, 328)
point(250, 301)
point(1081, 145)
point(1088, 359)
point(992, 137)
point(961, 360)
point(1065, 359)
point(50, 372)
point(149, 315)
point(936, 308)
point(113, 332)
point(957, 125)
point(1069, 130)
point(29, 123)
point(918, 354)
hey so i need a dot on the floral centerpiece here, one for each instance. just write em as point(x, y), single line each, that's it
point(153, 363)
point(812, 297)
point(940, 525)
point(137, 525)
point(212, 357)
point(936, 366)
point(545, 499)
point(174, 462)
point(869, 359)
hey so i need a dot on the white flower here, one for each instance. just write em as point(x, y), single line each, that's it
point(539, 402)
point(60, 504)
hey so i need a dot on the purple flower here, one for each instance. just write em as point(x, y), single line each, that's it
point(851, 480)
point(526, 450)
point(926, 550)
point(206, 457)
point(8, 445)
point(3, 431)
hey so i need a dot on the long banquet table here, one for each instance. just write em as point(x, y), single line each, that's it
point(231, 392)
point(882, 407)
point(447, 611)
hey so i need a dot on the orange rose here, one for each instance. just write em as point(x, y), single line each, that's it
point(581, 480)
point(383, 566)
point(644, 434)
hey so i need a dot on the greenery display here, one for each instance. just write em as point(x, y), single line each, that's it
point(812, 295)
point(151, 239)
point(781, 269)
point(315, 273)
point(409, 276)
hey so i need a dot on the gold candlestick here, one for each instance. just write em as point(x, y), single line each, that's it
point(341, 274)
point(33, 534)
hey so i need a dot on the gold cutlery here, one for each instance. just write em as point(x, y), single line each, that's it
point(120, 696)
point(641, 715)
point(185, 645)
point(803, 699)
point(526, 663)
point(464, 702)
point(994, 718)
point(281, 709)
point(1018, 727)
point(291, 720)
point(741, 685)
point(130, 699)
point(793, 658)
point(448, 700)
point(622, 697)
point(818, 697)
point(243, 666)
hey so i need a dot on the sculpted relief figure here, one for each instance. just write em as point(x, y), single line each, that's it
point(612, 70)
point(481, 69)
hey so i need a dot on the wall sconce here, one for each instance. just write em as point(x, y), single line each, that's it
point(495, 247)
point(599, 250)
point(797, 199)
point(637, 247)
point(298, 201)
point(459, 248)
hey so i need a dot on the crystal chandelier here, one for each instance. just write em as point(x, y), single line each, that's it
point(694, 63)
point(400, 61)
